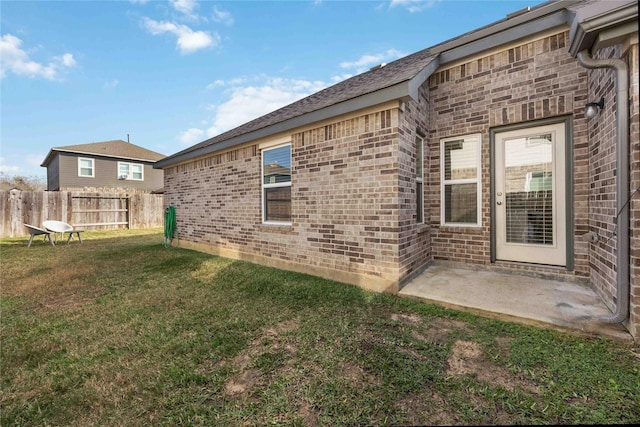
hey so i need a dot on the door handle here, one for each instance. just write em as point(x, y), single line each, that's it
point(498, 202)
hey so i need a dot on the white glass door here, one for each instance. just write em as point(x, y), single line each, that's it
point(530, 195)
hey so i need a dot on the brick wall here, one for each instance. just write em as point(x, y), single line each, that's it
point(535, 80)
point(602, 175)
point(633, 56)
point(414, 237)
point(344, 203)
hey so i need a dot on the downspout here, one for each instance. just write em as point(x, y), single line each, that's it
point(622, 183)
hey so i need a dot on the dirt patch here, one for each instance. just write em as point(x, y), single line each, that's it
point(309, 416)
point(405, 318)
point(440, 330)
point(242, 382)
point(426, 409)
point(269, 341)
point(467, 358)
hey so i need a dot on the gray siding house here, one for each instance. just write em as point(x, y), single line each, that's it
point(103, 166)
point(492, 150)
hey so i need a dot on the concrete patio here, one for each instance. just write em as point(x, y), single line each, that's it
point(533, 301)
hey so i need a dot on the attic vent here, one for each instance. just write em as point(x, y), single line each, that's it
point(378, 66)
point(518, 12)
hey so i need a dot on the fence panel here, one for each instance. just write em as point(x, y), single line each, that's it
point(89, 211)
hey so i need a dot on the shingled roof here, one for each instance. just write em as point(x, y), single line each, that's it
point(398, 80)
point(117, 148)
point(394, 77)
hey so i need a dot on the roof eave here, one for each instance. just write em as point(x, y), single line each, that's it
point(589, 24)
point(524, 29)
point(47, 159)
point(402, 90)
point(88, 153)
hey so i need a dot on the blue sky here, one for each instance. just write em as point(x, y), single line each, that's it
point(174, 73)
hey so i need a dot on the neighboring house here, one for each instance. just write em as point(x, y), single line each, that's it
point(108, 165)
point(474, 152)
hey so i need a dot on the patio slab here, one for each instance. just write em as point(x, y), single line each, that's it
point(564, 306)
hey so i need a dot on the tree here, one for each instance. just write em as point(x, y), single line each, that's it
point(32, 183)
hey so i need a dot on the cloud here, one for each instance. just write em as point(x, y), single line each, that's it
point(111, 84)
point(189, 41)
point(187, 8)
point(222, 16)
point(414, 5)
point(17, 61)
point(191, 136)
point(246, 103)
point(34, 159)
point(365, 62)
point(247, 99)
point(8, 169)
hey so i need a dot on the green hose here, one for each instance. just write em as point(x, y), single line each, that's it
point(169, 225)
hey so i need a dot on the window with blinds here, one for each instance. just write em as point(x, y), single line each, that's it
point(460, 180)
point(276, 184)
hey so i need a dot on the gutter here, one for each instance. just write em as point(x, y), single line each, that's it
point(622, 183)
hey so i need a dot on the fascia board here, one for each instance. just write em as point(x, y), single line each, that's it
point(418, 80)
point(47, 160)
point(526, 29)
point(88, 153)
point(398, 91)
point(593, 19)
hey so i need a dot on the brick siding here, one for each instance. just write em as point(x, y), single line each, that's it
point(535, 80)
point(345, 209)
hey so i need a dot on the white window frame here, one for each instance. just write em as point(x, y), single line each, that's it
point(274, 185)
point(419, 180)
point(130, 175)
point(477, 138)
point(93, 167)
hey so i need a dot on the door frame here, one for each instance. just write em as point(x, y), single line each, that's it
point(568, 167)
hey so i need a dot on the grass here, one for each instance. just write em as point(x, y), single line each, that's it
point(122, 331)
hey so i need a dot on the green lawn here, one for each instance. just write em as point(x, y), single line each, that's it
point(122, 331)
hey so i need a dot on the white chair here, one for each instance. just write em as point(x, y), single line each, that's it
point(36, 231)
point(62, 227)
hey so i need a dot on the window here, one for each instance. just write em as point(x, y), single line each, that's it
point(85, 167)
point(276, 184)
point(133, 171)
point(419, 180)
point(460, 177)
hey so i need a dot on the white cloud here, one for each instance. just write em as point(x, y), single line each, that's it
point(365, 62)
point(247, 99)
point(34, 159)
point(191, 136)
point(185, 6)
point(414, 5)
point(222, 16)
point(111, 84)
point(189, 41)
point(17, 61)
point(246, 103)
point(8, 169)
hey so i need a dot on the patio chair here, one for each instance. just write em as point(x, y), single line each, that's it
point(62, 227)
point(36, 231)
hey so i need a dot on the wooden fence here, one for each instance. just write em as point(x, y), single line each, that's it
point(88, 211)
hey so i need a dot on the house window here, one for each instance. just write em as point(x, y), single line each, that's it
point(276, 184)
point(86, 167)
point(419, 180)
point(460, 180)
point(132, 171)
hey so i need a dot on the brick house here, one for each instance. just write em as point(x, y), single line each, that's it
point(477, 151)
point(103, 166)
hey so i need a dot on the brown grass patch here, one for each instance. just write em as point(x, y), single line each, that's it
point(468, 359)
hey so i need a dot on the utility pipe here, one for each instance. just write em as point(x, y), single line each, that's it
point(622, 182)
